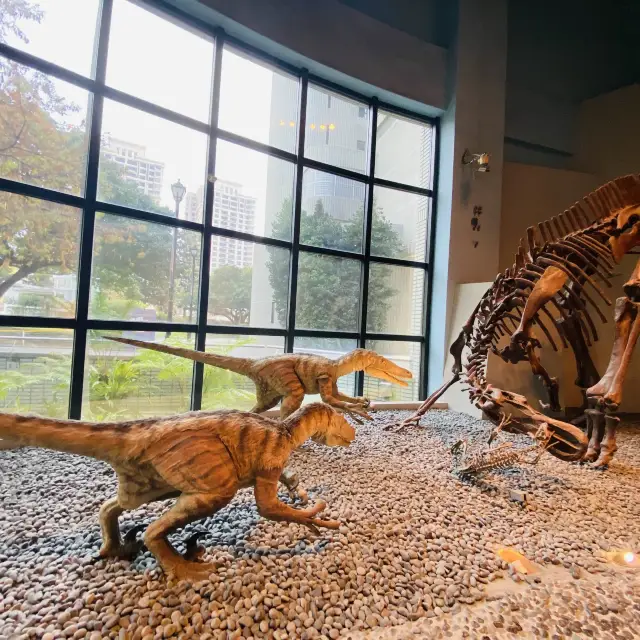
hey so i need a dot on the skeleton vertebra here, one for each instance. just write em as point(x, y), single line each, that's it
point(202, 458)
point(560, 267)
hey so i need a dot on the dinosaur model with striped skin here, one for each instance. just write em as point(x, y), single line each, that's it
point(553, 286)
point(288, 377)
point(201, 458)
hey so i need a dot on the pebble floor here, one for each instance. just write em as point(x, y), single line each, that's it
point(415, 556)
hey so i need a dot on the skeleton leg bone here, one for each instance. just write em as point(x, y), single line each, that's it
point(414, 420)
point(595, 430)
point(607, 393)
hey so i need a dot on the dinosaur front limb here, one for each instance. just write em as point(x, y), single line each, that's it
point(325, 387)
point(266, 494)
point(550, 282)
point(188, 508)
point(362, 402)
point(291, 481)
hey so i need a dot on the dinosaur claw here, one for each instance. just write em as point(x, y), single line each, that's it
point(194, 551)
point(131, 535)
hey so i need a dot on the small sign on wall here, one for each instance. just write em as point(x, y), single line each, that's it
point(475, 221)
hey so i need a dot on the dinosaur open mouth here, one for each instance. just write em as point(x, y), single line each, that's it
point(390, 377)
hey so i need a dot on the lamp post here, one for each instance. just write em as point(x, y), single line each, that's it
point(178, 190)
point(194, 254)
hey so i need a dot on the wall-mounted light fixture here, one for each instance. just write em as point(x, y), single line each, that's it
point(479, 161)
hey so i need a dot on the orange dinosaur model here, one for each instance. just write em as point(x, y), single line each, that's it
point(202, 458)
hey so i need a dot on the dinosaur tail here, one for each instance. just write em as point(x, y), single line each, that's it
point(230, 363)
point(102, 441)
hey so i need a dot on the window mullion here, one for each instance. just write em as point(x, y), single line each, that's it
point(205, 259)
point(367, 229)
point(89, 217)
point(297, 212)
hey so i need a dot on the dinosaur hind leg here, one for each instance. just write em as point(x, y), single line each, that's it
point(292, 401)
point(264, 403)
point(112, 544)
point(188, 508)
point(110, 511)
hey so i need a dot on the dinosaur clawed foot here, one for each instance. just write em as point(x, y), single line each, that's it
point(193, 572)
point(312, 523)
point(194, 551)
point(590, 456)
point(127, 550)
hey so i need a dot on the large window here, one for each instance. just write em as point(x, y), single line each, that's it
point(160, 180)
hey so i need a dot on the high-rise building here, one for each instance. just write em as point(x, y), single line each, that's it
point(193, 202)
point(232, 210)
point(146, 173)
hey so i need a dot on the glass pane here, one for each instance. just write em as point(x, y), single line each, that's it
point(249, 283)
point(332, 211)
point(153, 58)
point(132, 271)
point(142, 155)
point(60, 31)
point(123, 382)
point(38, 257)
point(404, 354)
point(395, 300)
point(328, 296)
point(331, 348)
point(35, 371)
point(227, 390)
point(403, 150)
point(254, 192)
point(400, 224)
point(257, 101)
point(337, 130)
point(43, 129)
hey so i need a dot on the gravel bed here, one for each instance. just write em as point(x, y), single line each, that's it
point(416, 549)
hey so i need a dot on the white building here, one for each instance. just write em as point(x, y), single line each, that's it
point(193, 202)
point(232, 210)
point(146, 173)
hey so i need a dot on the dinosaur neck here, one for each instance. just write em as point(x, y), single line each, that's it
point(303, 424)
point(348, 363)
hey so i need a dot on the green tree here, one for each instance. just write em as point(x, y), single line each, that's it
point(38, 147)
point(230, 293)
point(329, 288)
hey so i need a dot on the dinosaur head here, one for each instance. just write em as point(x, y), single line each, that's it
point(332, 428)
point(373, 364)
point(626, 236)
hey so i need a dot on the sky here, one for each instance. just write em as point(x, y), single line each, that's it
point(154, 59)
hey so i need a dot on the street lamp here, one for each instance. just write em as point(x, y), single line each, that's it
point(178, 190)
point(194, 255)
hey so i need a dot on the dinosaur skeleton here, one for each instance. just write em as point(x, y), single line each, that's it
point(476, 464)
point(551, 286)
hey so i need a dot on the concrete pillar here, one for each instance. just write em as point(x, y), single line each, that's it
point(474, 119)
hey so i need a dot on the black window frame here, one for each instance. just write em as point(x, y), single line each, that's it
point(98, 90)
